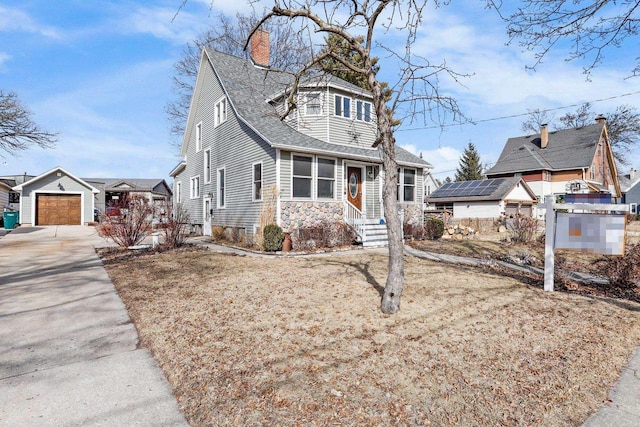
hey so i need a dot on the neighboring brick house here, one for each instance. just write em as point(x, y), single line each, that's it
point(319, 162)
point(557, 163)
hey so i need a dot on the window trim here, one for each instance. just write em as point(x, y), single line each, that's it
point(361, 113)
point(318, 178)
point(199, 137)
point(207, 167)
point(338, 107)
point(293, 176)
point(221, 195)
point(253, 181)
point(193, 194)
point(218, 119)
point(178, 191)
point(401, 184)
point(306, 103)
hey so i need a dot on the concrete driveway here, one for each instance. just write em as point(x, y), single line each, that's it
point(68, 349)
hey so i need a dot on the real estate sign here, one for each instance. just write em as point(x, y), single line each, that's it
point(590, 232)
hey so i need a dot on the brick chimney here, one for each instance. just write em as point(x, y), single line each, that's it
point(544, 136)
point(601, 118)
point(260, 49)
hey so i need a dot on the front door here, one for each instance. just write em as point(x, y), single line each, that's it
point(354, 186)
point(206, 216)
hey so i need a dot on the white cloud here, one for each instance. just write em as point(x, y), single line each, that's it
point(17, 20)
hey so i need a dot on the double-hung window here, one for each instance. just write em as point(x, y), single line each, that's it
point(342, 106)
point(633, 208)
point(313, 106)
point(409, 185)
point(179, 192)
point(406, 185)
point(221, 111)
point(221, 188)
point(207, 166)
point(195, 187)
point(363, 111)
point(326, 178)
point(302, 176)
point(199, 137)
point(257, 181)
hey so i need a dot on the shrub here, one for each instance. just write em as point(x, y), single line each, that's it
point(433, 229)
point(128, 222)
point(337, 234)
point(623, 272)
point(272, 238)
point(175, 226)
point(217, 233)
point(413, 231)
point(522, 228)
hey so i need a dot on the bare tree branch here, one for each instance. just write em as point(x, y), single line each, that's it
point(17, 131)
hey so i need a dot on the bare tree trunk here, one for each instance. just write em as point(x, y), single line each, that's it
point(395, 278)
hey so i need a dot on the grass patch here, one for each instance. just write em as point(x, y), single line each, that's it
point(301, 341)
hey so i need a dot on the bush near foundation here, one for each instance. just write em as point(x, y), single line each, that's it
point(433, 229)
point(127, 222)
point(273, 237)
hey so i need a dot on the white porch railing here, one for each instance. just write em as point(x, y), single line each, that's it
point(354, 217)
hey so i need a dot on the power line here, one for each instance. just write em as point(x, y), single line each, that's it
point(512, 116)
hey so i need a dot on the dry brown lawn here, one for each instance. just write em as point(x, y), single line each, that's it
point(301, 341)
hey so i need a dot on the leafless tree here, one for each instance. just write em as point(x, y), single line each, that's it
point(591, 27)
point(288, 44)
point(17, 131)
point(416, 87)
point(536, 119)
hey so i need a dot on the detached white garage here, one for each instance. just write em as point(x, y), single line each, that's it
point(485, 198)
point(56, 198)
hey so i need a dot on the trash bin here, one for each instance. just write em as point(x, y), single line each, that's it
point(10, 219)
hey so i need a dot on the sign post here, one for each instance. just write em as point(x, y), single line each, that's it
point(595, 231)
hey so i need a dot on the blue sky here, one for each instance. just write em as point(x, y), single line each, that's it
point(99, 73)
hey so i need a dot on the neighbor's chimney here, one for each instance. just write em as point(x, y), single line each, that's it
point(544, 135)
point(601, 118)
point(632, 174)
point(260, 50)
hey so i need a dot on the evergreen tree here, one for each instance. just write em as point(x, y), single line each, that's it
point(470, 167)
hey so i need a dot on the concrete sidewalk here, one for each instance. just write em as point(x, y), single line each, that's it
point(69, 351)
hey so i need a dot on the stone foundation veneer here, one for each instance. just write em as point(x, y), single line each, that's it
point(412, 213)
point(295, 215)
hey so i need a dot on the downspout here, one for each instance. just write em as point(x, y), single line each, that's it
point(328, 114)
point(278, 197)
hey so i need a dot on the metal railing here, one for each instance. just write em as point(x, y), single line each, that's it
point(355, 218)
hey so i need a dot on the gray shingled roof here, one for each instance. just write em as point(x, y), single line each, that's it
point(474, 191)
point(567, 149)
point(137, 184)
point(249, 88)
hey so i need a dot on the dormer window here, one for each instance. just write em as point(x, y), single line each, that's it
point(343, 106)
point(313, 106)
point(221, 111)
point(363, 111)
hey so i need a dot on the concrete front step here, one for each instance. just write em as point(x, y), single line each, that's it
point(376, 234)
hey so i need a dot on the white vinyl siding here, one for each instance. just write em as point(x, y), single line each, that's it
point(207, 166)
point(195, 187)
